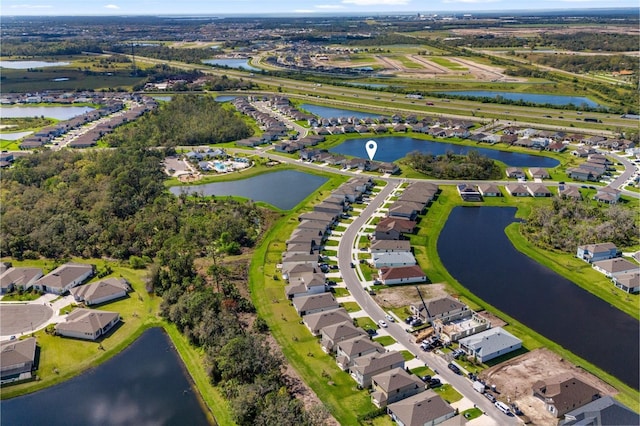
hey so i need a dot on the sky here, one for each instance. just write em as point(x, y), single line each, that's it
point(288, 7)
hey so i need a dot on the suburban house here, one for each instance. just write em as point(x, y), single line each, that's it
point(614, 267)
point(326, 218)
point(420, 192)
point(392, 229)
point(101, 291)
point(607, 195)
point(306, 305)
point(538, 190)
point(365, 367)
point(538, 173)
point(348, 350)
point(316, 322)
point(304, 284)
point(87, 324)
point(515, 172)
point(424, 409)
point(569, 192)
point(336, 333)
point(582, 174)
point(393, 259)
point(390, 246)
point(402, 275)
point(18, 277)
point(564, 393)
point(406, 209)
point(490, 344)
point(64, 278)
point(595, 252)
point(17, 360)
point(443, 308)
point(517, 190)
point(468, 192)
point(298, 268)
point(489, 190)
point(393, 386)
point(628, 281)
point(603, 411)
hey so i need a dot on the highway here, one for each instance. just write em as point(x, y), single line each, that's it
point(346, 246)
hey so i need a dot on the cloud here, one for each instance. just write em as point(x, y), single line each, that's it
point(329, 6)
point(377, 2)
point(112, 6)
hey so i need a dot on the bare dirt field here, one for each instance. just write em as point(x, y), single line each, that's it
point(515, 377)
point(506, 32)
point(397, 297)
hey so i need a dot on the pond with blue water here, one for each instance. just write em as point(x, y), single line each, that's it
point(474, 248)
point(392, 148)
point(57, 112)
point(283, 189)
point(24, 65)
point(536, 98)
point(232, 63)
point(329, 112)
point(146, 384)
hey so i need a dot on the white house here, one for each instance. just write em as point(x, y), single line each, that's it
point(490, 344)
point(402, 275)
point(64, 278)
point(393, 259)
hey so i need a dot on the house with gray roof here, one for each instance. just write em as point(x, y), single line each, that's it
point(538, 173)
point(607, 195)
point(393, 259)
point(367, 366)
point(604, 411)
point(64, 278)
point(538, 190)
point(390, 246)
point(629, 281)
point(393, 386)
point(336, 333)
point(348, 350)
point(489, 190)
point(424, 409)
point(613, 267)
point(443, 308)
point(406, 209)
point(564, 393)
point(101, 291)
point(517, 190)
point(18, 277)
point(595, 252)
point(490, 344)
point(17, 360)
point(311, 304)
point(515, 172)
point(316, 322)
point(87, 324)
point(304, 284)
point(569, 191)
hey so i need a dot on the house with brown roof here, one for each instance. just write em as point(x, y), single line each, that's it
point(348, 350)
point(568, 191)
point(367, 366)
point(424, 409)
point(316, 322)
point(336, 333)
point(613, 267)
point(538, 173)
point(393, 386)
point(402, 275)
point(393, 229)
point(517, 190)
point(64, 278)
point(628, 281)
point(18, 277)
point(405, 209)
point(101, 291)
point(311, 304)
point(17, 360)
point(515, 173)
point(607, 195)
point(538, 190)
point(87, 324)
point(390, 246)
point(489, 190)
point(442, 308)
point(564, 393)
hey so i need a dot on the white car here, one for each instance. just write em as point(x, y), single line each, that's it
point(389, 318)
point(382, 323)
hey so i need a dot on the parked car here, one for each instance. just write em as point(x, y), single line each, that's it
point(389, 318)
point(426, 378)
point(434, 383)
point(382, 323)
point(490, 397)
point(416, 322)
point(454, 368)
point(353, 265)
point(408, 320)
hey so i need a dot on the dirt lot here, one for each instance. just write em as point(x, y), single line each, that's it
point(514, 379)
point(397, 297)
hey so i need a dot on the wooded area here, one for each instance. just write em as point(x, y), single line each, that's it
point(452, 166)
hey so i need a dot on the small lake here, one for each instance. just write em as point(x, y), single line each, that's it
point(14, 136)
point(162, 98)
point(392, 148)
point(475, 250)
point(232, 63)
point(57, 112)
point(146, 384)
point(283, 189)
point(23, 65)
point(528, 97)
point(329, 112)
point(372, 85)
point(224, 98)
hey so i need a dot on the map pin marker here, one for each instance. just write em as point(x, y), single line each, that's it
point(371, 147)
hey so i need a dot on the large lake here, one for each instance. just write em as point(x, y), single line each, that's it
point(392, 148)
point(146, 384)
point(528, 97)
point(283, 189)
point(329, 112)
point(57, 112)
point(23, 65)
point(475, 250)
point(232, 63)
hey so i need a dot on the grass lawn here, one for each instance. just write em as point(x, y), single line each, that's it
point(21, 296)
point(423, 371)
point(329, 252)
point(332, 243)
point(340, 291)
point(351, 306)
point(385, 340)
point(471, 413)
point(408, 356)
point(448, 393)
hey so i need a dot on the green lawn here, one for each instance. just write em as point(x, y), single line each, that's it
point(340, 291)
point(471, 413)
point(385, 340)
point(351, 306)
point(423, 371)
point(408, 356)
point(365, 323)
point(448, 393)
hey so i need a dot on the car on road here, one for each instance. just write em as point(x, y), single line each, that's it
point(389, 318)
point(382, 323)
point(353, 265)
point(490, 397)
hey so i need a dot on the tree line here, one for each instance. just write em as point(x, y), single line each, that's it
point(453, 166)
